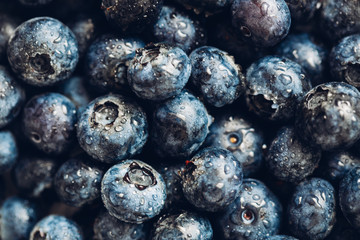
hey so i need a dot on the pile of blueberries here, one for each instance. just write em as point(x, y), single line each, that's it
point(179, 119)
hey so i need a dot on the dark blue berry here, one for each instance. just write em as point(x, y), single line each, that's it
point(77, 182)
point(217, 76)
point(239, 136)
point(311, 209)
point(107, 61)
point(17, 217)
point(349, 197)
point(43, 51)
point(132, 16)
point(133, 191)
point(158, 71)
point(49, 122)
point(344, 60)
point(274, 87)
point(183, 225)
point(8, 151)
point(180, 126)
point(311, 56)
point(107, 227)
point(12, 97)
point(34, 175)
point(262, 22)
point(290, 159)
point(112, 128)
point(329, 115)
point(303, 10)
point(254, 215)
point(178, 28)
point(56, 227)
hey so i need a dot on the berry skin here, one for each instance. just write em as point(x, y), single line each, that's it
point(328, 116)
point(43, 51)
point(12, 97)
point(212, 178)
point(254, 215)
point(289, 159)
point(217, 76)
point(8, 151)
point(311, 56)
point(34, 175)
point(303, 10)
point(112, 128)
point(180, 126)
point(179, 29)
point(107, 227)
point(261, 22)
point(239, 136)
point(7, 28)
point(311, 210)
point(56, 227)
point(133, 192)
point(183, 225)
point(281, 237)
point(49, 122)
point(158, 71)
point(107, 61)
point(132, 16)
point(274, 87)
point(17, 217)
point(349, 195)
point(78, 182)
point(344, 60)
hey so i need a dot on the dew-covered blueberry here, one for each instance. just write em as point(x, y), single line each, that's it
point(112, 128)
point(311, 209)
point(107, 61)
point(8, 151)
point(329, 115)
point(133, 191)
point(274, 87)
point(217, 76)
point(254, 215)
point(180, 126)
point(158, 71)
point(43, 51)
point(49, 122)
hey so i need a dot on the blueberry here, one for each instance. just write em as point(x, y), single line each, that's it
point(290, 159)
point(132, 16)
point(178, 28)
point(344, 60)
point(339, 18)
point(133, 191)
point(159, 71)
point(43, 51)
point(217, 76)
point(301, 48)
point(33, 175)
point(239, 136)
point(328, 116)
point(349, 197)
point(211, 179)
point(303, 10)
point(262, 22)
point(183, 225)
point(274, 87)
point(8, 24)
point(280, 237)
point(12, 97)
point(78, 182)
point(107, 227)
point(107, 61)
point(254, 215)
point(311, 210)
point(8, 151)
point(112, 128)
point(49, 122)
point(180, 126)
point(56, 227)
point(17, 217)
